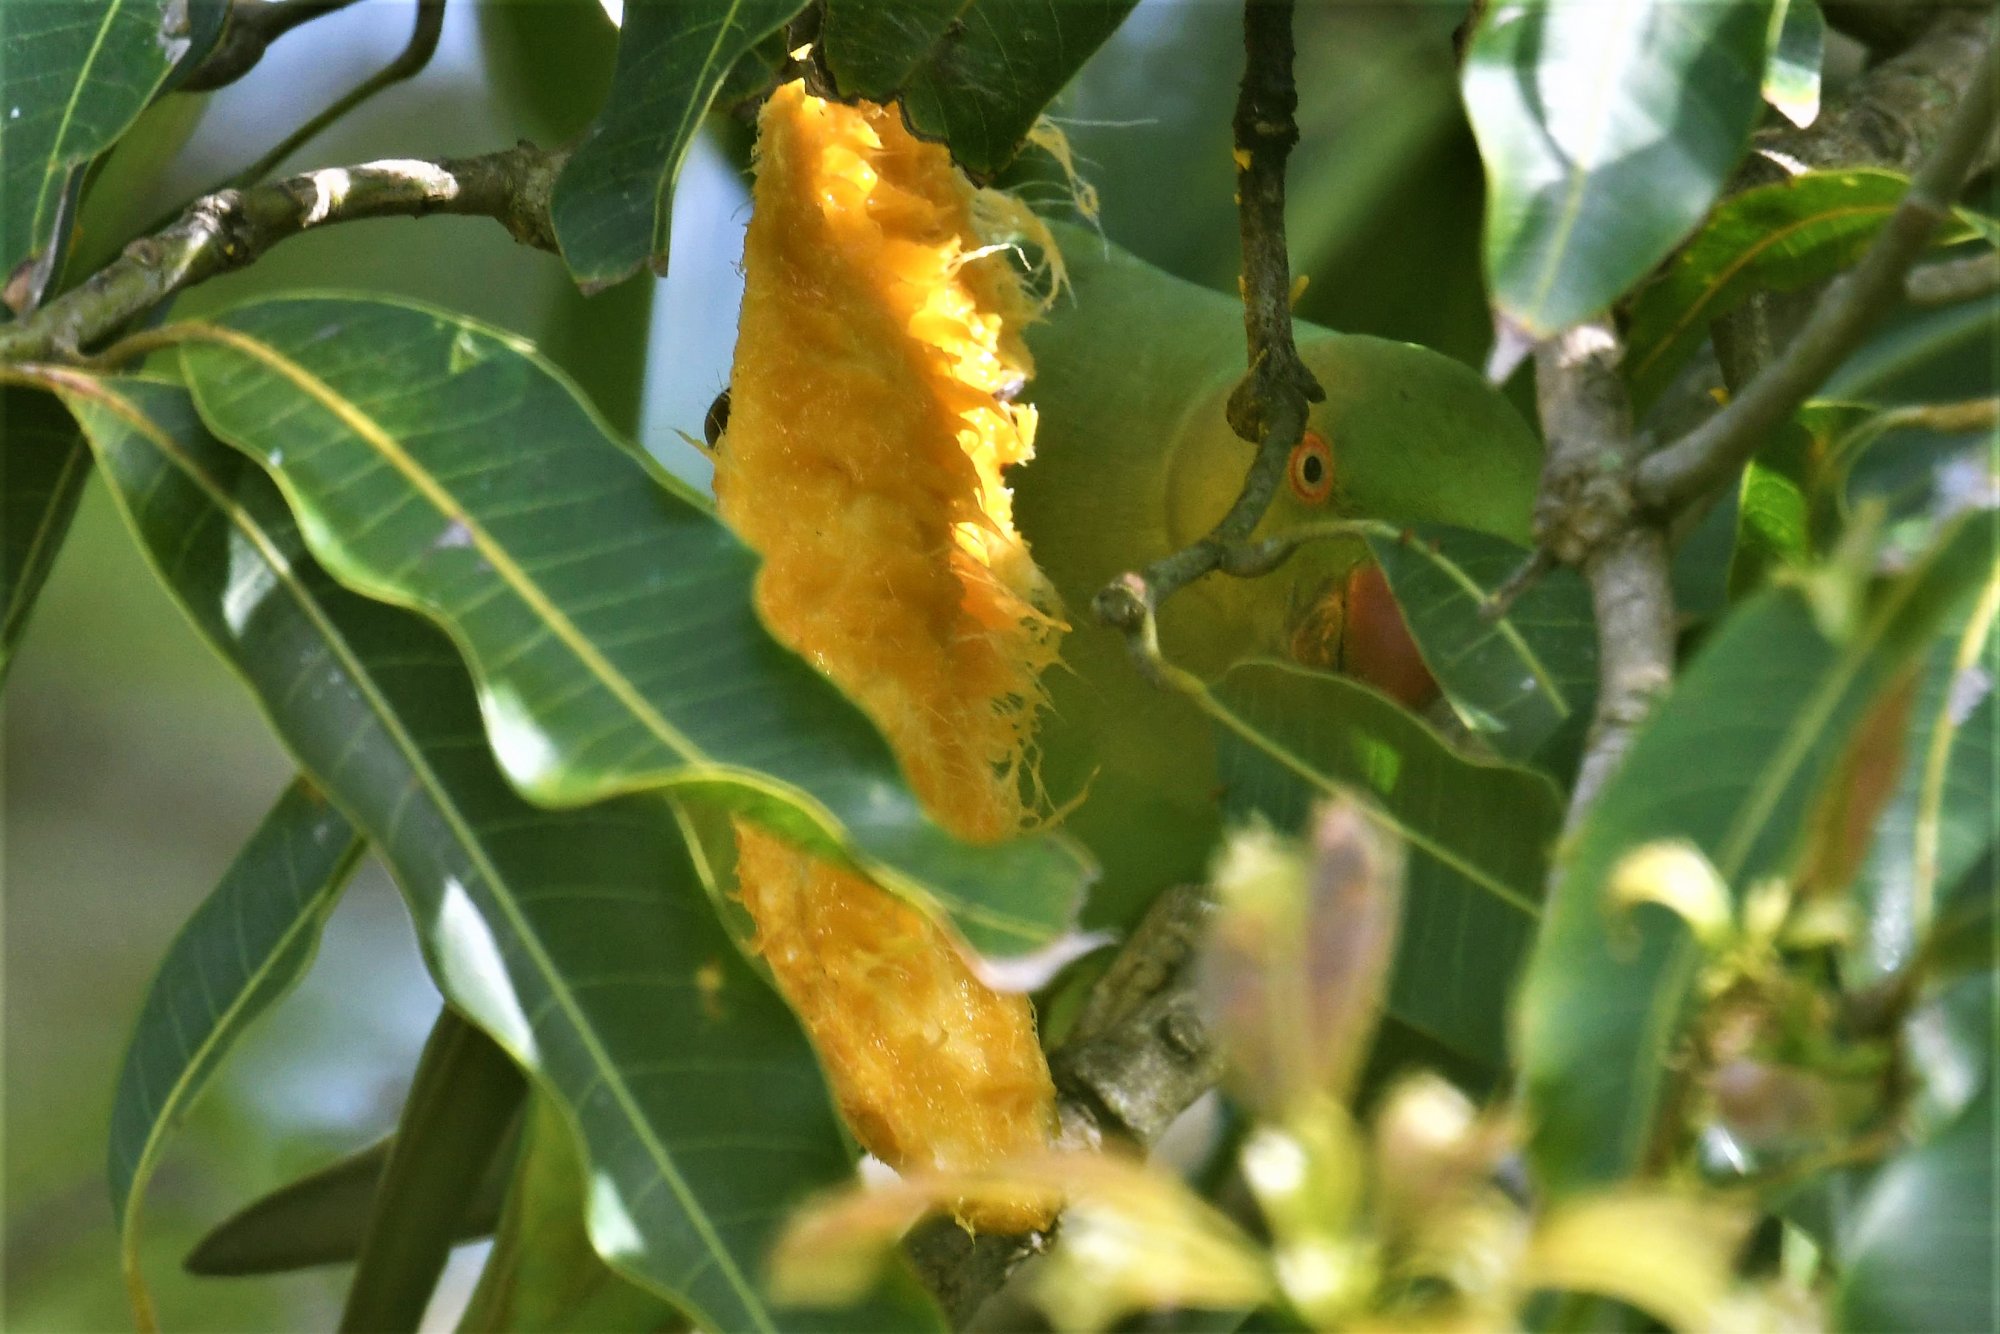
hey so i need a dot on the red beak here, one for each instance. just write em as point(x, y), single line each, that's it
point(1357, 629)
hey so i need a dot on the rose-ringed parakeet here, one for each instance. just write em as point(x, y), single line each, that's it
point(1133, 460)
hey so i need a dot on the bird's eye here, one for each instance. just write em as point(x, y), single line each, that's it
point(1311, 469)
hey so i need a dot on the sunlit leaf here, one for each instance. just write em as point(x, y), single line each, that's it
point(1732, 761)
point(1478, 835)
point(579, 940)
point(250, 940)
point(77, 73)
point(1670, 1256)
point(1607, 130)
point(606, 612)
point(1526, 681)
point(1774, 238)
point(972, 73)
point(1791, 80)
point(613, 203)
point(45, 463)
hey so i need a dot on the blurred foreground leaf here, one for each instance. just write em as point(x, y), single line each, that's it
point(1734, 762)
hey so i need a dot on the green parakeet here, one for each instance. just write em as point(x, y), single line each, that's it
point(1134, 459)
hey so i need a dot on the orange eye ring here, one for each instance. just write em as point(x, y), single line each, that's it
point(1310, 470)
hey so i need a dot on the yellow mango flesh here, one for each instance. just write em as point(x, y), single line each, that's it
point(870, 423)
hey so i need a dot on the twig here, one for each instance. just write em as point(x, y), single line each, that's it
point(1585, 516)
point(1270, 404)
point(229, 229)
point(1525, 576)
point(251, 28)
point(416, 54)
point(1951, 281)
point(1139, 1055)
point(1708, 455)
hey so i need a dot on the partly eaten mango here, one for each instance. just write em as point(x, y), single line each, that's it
point(872, 418)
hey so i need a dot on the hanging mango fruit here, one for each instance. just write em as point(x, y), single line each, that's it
point(871, 421)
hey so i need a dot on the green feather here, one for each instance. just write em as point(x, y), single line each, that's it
point(1134, 459)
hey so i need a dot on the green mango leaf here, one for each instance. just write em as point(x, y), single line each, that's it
point(319, 1218)
point(973, 74)
point(1938, 823)
point(463, 1106)
point(1607, 131)
point(606, 612)
point(77, 74)
point(613, 203)
point(1920, 1252)
point(1791, 79)
point(1734, 761)
point(579, 940)
point(45, 464)
point(1525, 681)
point(1782, 492)
point(1478, 834)
point(251, 939)
point(1774, 238)
point(542, 1276)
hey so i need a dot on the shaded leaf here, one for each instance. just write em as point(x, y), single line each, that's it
point(1774, 238)
point(251, 939)
point(319, 1218)
point(1782, 489)
point(1920, 1252)
point(579, 940)
point(464, 1101)
point(45, 464)
point(1939, 820)
point(1732, 762)
point(1791, 79)
point(542, 1275)
point(77, 74)
point(612, 206)
point(1606, 131)
point(606, 613)
point(1478, 835)
point(1525, 681)
point(972, 73)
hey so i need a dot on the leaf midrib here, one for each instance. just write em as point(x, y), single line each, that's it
point(475, 851)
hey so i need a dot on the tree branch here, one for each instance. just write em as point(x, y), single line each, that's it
point(1585, 516)
point(1951, 281)
point(231, 228)
point(251, 28)
point(1270, 404)
point(415, 55)
point(1708, 455)
point(1139, 1055)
